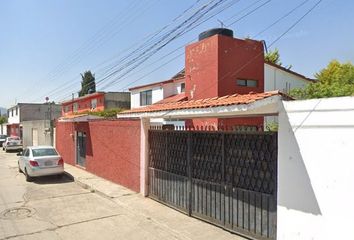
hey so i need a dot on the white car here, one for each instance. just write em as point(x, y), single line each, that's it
point(40, 161)
point(2, 139)
point(12, 143)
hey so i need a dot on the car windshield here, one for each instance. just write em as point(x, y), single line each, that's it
point(3, 136)
point(40, 152)
point(13, 138)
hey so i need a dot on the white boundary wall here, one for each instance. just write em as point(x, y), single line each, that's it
point(316, 169)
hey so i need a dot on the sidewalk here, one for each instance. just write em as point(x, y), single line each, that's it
point(179, 225)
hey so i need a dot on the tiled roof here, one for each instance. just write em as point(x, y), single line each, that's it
point(173, 98)
point(227, 100)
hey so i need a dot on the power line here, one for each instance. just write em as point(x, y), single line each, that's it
point(281, 18)
point(242, 17)
point(98, 37)
point(199, 23)
point(178, 35)
point(271, 44)
point(147, 41)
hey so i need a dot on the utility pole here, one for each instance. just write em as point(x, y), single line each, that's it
point(51, 124)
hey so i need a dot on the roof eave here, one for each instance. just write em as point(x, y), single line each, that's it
point(264, 107)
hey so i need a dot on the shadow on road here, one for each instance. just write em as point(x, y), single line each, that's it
point(65, 178)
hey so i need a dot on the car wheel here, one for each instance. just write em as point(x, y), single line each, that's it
point(28, 178)
point(19, 169)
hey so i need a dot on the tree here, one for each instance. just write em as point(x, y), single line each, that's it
point(335, 80)
point(88, 84)
point(273, 57)
point(3, 120)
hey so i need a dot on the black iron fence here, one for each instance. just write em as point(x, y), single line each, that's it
point(226, 178)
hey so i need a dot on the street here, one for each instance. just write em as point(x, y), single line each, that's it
point(52, 208)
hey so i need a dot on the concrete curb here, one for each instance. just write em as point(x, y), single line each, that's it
point(88, 186)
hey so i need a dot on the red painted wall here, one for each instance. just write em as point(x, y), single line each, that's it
point(239, 59)
point(14, 130)
point(116, 152)
point(112, 149)
point(65, 141)
point(213, 66)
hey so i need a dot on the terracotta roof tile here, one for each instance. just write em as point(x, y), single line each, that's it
point(174, 98)
point(227, 100)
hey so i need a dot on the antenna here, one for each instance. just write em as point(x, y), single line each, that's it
point(221, 23)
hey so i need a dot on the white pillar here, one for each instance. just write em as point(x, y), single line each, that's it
point(144, 155)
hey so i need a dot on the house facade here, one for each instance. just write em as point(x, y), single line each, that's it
point(218, 65)
point(22, 112)
point(95, 102)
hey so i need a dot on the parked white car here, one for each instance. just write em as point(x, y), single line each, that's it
point(40, 161)
point(2, 139)
point(12, 143)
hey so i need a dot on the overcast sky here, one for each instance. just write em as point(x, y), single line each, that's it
point(44, 44)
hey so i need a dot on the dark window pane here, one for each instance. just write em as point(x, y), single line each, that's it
point(146, 98)
point(252, 83)
point(241, 82)
point(183, 87)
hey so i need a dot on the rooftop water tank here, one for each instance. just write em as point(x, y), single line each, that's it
point(214, 31)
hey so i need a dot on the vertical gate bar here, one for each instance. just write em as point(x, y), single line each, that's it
point(261, 213)
point(223, 185)
point(165, 167)
point(189, 169)
point(249, 211)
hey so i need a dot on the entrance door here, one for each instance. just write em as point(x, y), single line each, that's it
point(34, 137)
point(81, 149)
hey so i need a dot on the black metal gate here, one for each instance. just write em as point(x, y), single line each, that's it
point(226, 178)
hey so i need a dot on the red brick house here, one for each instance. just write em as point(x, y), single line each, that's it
point(95, 102)
point(219, 65)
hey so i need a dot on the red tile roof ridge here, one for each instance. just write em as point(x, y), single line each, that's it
point(226, 100)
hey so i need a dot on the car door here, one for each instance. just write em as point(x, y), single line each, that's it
point(23, 159)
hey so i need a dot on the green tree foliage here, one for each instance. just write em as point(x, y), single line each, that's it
point(273, 57)
point(109, 113)
point(3, 120)
point(88, 84)
point(335, 80)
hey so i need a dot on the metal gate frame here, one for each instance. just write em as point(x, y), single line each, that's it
point(225, 178)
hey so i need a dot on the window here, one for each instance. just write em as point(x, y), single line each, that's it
point(26, 154)
point(67, 108)
point(94, 103)
point(183, 87)
point(16, 111)
point(40, 152)
point(12, 112)
point(75, 107)
point(247, 82)
point(146, 98)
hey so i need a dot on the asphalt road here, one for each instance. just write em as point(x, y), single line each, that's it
point(52, 208)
